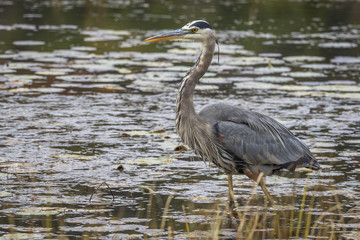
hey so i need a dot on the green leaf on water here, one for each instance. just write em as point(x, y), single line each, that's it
point(36, 211)
point(206, 87)
point(337, 45)
point(74, 157)
point(318, 66)
point(246, 61)
point(28, 43)
point(20, 236)
point(338, 88)
point(5, 194)
point(145, 161)
point(293, 59)
point(51, 73)
point(308, 74)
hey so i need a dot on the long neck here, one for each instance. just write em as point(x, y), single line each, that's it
point(186, 118)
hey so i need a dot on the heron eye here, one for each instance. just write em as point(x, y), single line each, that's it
point(195, 30)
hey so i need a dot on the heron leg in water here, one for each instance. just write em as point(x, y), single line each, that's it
point(259, 178)
point(231, 190)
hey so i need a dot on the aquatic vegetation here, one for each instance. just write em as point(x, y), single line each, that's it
point(88, 145)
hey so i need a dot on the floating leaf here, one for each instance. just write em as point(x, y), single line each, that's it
point(304, 59)
point(22, 65)
point(74, 157)
point(21, 236)
point(48, 90)
point(214, 80)
point(346, 60)
point(350, 154)
point(256, 85)
point(145, 161)
point(106, 87)
point(103, 35)
point(4, 70)
point(94, 67)
point(308, 74)
point(318, 66)
point(204, 87)
point(337, 45)
point(337, 87)
point(5, 194)
point(28, 43)
point(35, 211)
point(168, 144)
point(125, 236)
point(50, 73)
point(274, 79)
point(123, 70)
point(270, 70)
point(246, 61)
point(138, 133)
point(84, 48)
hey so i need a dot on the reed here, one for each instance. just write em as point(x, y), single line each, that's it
point(278, 222)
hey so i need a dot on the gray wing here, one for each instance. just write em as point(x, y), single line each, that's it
point(256, 139)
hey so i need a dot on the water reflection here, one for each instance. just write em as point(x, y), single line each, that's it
point(82, 94)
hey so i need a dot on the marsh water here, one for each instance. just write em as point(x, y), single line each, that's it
point(88, 148)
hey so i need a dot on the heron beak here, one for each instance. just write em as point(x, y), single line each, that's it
point(172, 35)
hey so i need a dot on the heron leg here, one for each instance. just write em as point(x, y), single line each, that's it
point(259, 178)
point(267, 194)
point(231, 190)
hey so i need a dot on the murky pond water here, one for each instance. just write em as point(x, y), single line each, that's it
point(88, 146)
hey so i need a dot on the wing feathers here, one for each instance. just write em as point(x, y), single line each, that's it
point(254, 138)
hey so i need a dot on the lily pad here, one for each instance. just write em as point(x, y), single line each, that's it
point(74, 157)
point(256, 85)
point(337, 45)
point(214, 80)
point(51, 73)
point(270, 70)
point(274, 79)
point(94, 67)
point(246, 61)
point(28, 43)
point(35, 211)
point(338, 88)
point(5, 194)
point(103, 35)
point(204, 87)
point(48, 90)
point(294, 59)
point(152, 160)
point(308, 74)
point(22, 236)
point(4, 70)
point(346, 60)
point(318, 66)
point(84, 48)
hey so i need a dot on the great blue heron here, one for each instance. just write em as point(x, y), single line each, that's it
point(237, 140)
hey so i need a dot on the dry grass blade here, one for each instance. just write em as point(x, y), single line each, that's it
point(216, 230)
point(166, 209)
point(302, 207)
point(186, 222)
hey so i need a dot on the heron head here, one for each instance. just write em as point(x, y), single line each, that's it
point(198, 30)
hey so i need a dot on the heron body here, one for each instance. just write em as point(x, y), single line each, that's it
point(237, 140)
